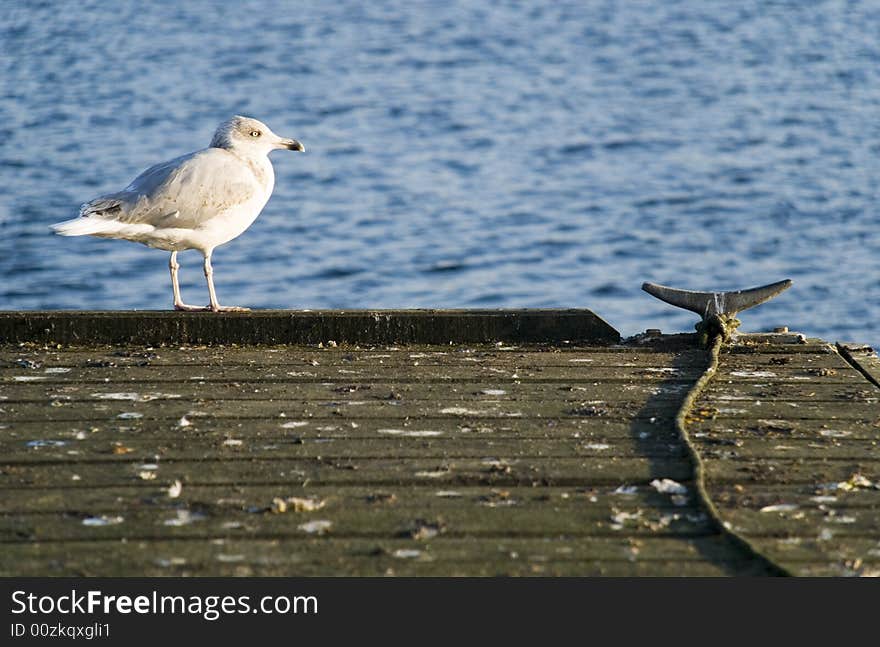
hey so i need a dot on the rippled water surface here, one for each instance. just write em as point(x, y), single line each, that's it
point(463, 154)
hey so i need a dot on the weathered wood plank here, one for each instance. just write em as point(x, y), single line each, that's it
point(486, 391)
point(38, 359)
point(512, 517)
point(411, 499)
point(343, 470)
point(390, 444)
point(752, 412)
point(772, 471)
point(484, 556)
point(861, 451)
point(729, 392)
point(343, 409)
point(404, 442)
point(812, 523)
point(778, 431)
point(374, 373)
point(443, 547)
point(328, 470)
point(259, 498)
point(306, 327)
point(738, 358)
point(293, 429)
point(174, 409)
point(763, 343)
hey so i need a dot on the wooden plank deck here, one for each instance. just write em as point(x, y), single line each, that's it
point(538, 453)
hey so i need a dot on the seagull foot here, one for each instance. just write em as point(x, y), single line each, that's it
point(186, 308)
point(220, 308)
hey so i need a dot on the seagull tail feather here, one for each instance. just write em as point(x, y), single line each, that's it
point(85, 226)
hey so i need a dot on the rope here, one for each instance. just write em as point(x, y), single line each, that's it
point(699, 466)
point(718, 325)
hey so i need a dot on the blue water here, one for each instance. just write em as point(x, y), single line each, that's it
point(463, 154)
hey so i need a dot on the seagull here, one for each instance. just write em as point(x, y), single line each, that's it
point(196, 201)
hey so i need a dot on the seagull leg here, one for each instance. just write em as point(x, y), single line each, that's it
point(173, 265)
point(215, 305)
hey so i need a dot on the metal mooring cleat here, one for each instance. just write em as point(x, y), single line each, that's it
point(718, 309)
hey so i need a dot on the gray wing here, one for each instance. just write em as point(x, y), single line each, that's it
point(184, 192)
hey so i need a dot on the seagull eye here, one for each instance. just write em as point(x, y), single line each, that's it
point(255, 133)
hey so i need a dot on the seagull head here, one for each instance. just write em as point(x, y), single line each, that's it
point(251, 136)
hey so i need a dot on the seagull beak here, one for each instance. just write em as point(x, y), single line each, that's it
point(292, 144)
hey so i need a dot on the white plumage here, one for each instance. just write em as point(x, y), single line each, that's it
point(197, 201)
